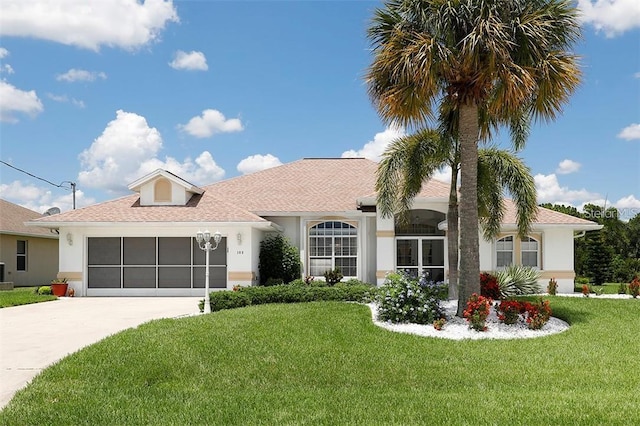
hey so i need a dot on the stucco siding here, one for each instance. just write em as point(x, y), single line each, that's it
point(42, 260)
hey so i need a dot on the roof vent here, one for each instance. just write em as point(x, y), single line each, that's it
point(52, 211)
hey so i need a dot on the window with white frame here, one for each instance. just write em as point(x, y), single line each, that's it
point(21, 255)
point(333, 245)
point(529, 249)
point(504, 252)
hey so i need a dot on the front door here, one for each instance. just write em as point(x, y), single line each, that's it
point(421, 255)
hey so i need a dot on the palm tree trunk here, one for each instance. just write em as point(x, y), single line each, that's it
point(452, 233)
point(469, 240)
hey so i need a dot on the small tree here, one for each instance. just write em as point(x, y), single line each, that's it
point(279, 260)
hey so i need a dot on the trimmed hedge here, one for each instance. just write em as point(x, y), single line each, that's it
point(260, 295)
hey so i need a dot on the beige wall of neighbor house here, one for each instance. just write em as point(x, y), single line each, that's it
point(41, 260)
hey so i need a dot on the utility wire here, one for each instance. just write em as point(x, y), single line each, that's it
point(60, 185)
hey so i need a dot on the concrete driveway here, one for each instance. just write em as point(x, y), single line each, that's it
point(33, 337)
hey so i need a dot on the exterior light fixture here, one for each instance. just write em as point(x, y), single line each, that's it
point(205, 244)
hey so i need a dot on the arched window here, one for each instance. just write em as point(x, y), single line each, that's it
point(419, 222)
point(162, 191)
point(529, 250)
point(504, 252)
point(333, 245)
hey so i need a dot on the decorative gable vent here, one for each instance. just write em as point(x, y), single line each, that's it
point(163, 188)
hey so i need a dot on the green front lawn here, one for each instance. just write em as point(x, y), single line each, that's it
point(22, 296)
point(326, 363)
point(606, 288)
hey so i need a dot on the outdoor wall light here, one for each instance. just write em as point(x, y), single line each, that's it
point(70, 238)
point(239, 237)
point(204, 243)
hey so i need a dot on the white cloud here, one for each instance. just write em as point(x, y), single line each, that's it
point(630, 132)
point(3, 53)
point(192, 61)
point(628, 202)
point(80, 75)
point(40, 199)
point(128, 149)
point(6, 68)
point(637, 75)
point(550, 191)
point(255, 163)
point(613, 17)
point(568, 166)
point(444, 174)
point(210, 122)
point(14, 100)
point(65, 99)
point(373, 149)
point(89, 24)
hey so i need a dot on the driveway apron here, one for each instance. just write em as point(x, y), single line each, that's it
point(35, 336)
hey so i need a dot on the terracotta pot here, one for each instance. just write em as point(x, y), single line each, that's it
point(59, 289)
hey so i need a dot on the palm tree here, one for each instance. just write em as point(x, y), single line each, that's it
point(410, 161)
point(491, 63)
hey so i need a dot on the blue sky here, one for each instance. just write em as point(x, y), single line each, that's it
point(101, 93)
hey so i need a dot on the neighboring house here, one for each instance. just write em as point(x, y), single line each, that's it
point(144, 244)
point(28, 255)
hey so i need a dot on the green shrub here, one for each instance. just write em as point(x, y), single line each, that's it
point(623, 288)
point(404, 299)
point(333, 276)
point(44, 290)
point(518, 280)
point(278, 259)
point(287, 293)
point(274, 281)
point(580, 281)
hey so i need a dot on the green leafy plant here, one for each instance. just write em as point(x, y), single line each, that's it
point(439, 323)
point(279, 261)
point(582, 280)
point(333, 276)
point(403, 299)
point(44, 290)
point(634, 287)
point(623, 288)
point(518, 280)
point(552, 287)
point(478, 309)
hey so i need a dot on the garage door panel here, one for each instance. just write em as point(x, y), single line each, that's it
point(137, 277)
point(139, 251)
point(174, 277)
point(103, 251)
point(174, 251)
point(101, 277)
point(216, 257)
point(217, 277)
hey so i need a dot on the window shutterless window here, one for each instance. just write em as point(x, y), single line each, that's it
point(529, 249)
point(333, 245)
point(504, 252)
point(21, 255)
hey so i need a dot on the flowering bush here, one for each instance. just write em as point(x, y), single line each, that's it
point(478, 308)
point(538, 314)
point(489, 286)
point(509, 311)
point(439, 323)
point(634, 287)
point(404, 299)
point(552, 287)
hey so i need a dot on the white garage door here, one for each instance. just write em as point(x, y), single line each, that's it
point(152, 265)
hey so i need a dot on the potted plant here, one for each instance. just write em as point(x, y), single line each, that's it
point(59, 287)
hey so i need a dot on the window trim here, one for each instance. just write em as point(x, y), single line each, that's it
point(496, 251)
point(537, 251)
point(517, 251)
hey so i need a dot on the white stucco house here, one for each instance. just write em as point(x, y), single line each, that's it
point(144, 244)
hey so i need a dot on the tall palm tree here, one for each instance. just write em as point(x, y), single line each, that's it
point(491, 62)
point(410, 161)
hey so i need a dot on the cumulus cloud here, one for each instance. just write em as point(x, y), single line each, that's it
point(568, 166)
point(613, 17)
point(126, 24)
point(5, 68)
point(373, 150)
point(630, 132)
point(255, 163)
point(14, 100)
point(40, 199)
point(80, 75)
point(444, 174)
point(66, 99)
point(550, 191)
point(210, 122)
point(192, 61)
point(128, 149)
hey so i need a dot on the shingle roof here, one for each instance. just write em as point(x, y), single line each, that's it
point(303, 186)
point(12, 218)
point(200, 208)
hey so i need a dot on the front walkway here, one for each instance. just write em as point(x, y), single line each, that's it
point(33, 337)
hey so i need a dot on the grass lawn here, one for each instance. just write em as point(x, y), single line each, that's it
point(22, 296)
point(326, 363)
point(606, 288)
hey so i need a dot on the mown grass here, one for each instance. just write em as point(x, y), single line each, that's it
point(326, 363)
point(606, 288)
point(22, 296)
